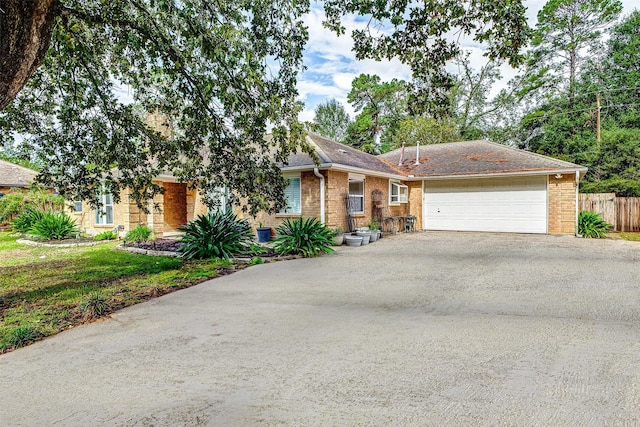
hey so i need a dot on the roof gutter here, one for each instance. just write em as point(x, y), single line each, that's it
point(578, 172)
point(319, 175)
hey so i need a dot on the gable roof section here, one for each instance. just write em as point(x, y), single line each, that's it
point(341, 157)
point(475, 158)
point(12, 175)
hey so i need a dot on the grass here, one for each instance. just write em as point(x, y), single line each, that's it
point(635, 237)
point(46, 290)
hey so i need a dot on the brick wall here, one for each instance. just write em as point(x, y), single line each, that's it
point(337, 186)
point(175, 205)
point(415, 201)
point(562, 204)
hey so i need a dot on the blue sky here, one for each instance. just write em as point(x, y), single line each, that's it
point(331, 65)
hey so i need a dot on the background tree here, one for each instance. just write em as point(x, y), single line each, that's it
point(207, 66)
point(332, 120)
point(416, 130)
point(568, 31)
point(381, 107)
point(419, 35)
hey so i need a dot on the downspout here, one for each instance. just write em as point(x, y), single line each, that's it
point(577, 200)
point(319, 175)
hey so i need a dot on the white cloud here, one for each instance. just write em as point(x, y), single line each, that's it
point(332, 65)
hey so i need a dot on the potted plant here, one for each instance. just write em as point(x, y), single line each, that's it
point(373, 227)
point(366, 236)
point(264, 233)
point(338, 237)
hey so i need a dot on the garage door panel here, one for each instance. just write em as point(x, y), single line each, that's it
point(509, 205)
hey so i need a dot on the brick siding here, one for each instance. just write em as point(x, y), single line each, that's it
point(562, 204)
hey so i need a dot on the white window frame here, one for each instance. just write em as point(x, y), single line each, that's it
point(104, 208)
point(295, 209)
point(398, 193)
point(76, 204)
point(354, 196)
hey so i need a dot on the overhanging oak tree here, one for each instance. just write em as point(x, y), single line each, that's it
point(222, 72)
point(426, 36)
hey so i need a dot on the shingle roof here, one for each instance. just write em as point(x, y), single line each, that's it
point(12, 175)
point(334, 154)
point(474, 158)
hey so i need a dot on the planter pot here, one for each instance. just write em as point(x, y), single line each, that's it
point(264, 234)
point(374, 236)
point(353, 240)
point(338, 240)
point(366, 236)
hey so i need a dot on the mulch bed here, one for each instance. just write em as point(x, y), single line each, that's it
point(164, 245)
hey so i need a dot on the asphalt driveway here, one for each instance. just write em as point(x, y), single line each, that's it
point(422, 329)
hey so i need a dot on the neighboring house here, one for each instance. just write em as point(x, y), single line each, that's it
point(464, 186)
point(13, 176)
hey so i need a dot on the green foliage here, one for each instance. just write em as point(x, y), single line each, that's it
point(591, 225)
point(54, 226)
point(304, 236)
point(141, 233)
point(94, 305)
point(332, 120)
point(24, 222)
point(19, 201)
point(106, 235)
point(424, 130)
point(256, 260)
point(381, 105)
point(216, 235)
point(23, 335)
point(568, 31)
point(203, 65)
point(419, 34)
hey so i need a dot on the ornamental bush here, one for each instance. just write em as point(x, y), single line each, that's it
point(141, 233)
point(303, 236)
point(216, 235)
point(55, 226)
point(591, 225)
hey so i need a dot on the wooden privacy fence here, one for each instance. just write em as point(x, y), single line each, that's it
point(621, 212)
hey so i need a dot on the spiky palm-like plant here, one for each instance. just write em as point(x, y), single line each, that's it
point(591, 225)
point(304, 236)
point(216, 235)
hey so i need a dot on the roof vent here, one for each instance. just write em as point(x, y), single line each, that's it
point(342, 150)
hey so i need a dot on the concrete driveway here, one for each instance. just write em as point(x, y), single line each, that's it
point(423, 329)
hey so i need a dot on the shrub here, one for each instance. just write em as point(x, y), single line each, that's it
point(19, 201)
point(141, 233)
point(24, 222)
point(55, 226)
point(106, 235)
point(216, 235)
point(591, 225)
point(94, 305)
point(304, 236)
point(23, 335)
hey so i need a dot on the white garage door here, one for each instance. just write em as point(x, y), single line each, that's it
point(516, 204)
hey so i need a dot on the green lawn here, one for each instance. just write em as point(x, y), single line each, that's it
point(46, 290)
point(630, 236)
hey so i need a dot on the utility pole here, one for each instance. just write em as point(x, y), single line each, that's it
point(598, 118)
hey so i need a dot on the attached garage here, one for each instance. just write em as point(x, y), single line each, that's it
point(483, 186)
point(513, 204)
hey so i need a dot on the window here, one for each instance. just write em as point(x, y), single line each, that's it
point(398, 193)
point(356, 196)
point(292, 196)
point(104, 213)
point(77, 206)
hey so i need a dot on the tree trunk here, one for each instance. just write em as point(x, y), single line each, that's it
point(25, 32)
